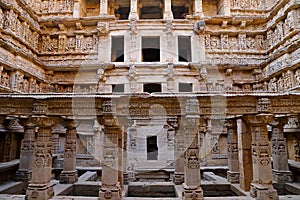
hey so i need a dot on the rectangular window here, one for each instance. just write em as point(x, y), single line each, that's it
point(117, 49)
point(152, 87)
point(152, 149)
point(185, 87)
point(117, 88)
point(184, 49)
point(150, 49)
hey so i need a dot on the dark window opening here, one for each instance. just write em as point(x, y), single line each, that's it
point(152, 87)
point(118, 88)
point(185, 87)
point(180, 12)
point(117, 49)
point(152, 149)
point(184, 49)
point(122, 13)
point(150, 49)
point(151, 12)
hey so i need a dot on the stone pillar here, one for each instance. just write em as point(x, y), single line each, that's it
point(110, 186)
point(24, 172)
point(168, 14)
point(133, 10)
point(69, 173)
point(179, 157)
point(191, 185)
point(233, 173)
point(40, 187)
point(226, 5)
point(198, 10)
point(103, 7)
point(110, 164)
point(281, 173)
point(261, 186)
point(244, 151)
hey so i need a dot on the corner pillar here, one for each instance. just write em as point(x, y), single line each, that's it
point(261, 186)
point(40, 187)
point(233, 173)
point(281, 173)
point(179, 157)
point(69, 173)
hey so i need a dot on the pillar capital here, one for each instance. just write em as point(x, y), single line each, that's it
point(42, 121)
point(259, 119)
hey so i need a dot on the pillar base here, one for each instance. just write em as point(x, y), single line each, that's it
point(178, 178)
point(263, 192)
point(68, 177)
point(39, 191)
point(233, 177)
point(110, 193)
point(192, 193)
point(282, 176)
point(23, 175)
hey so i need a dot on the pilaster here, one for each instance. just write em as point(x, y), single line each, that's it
point(103, 7)
point(69, 173)
point(40, 187)
point(261, 186)
point(281, 173)
point(133, 10)
point(233, 172)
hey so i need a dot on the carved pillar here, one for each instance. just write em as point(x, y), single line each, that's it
point(281, 173)
point(24, 172)
point(244, 151)
point(179, 157)
point(233, 172)
point(133, 10)
point(40, 187)
point(261, 186)
point(103, 7)
point(168, 15)
point(110, 186)
point(198, 11)
point(226, 4)
point(191, 185)
point(69, 173)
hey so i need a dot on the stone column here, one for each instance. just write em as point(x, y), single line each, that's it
point(198, 10)
point(191, 185)
point(69, 173)
point(103, 7)
point(244, 151)
point(133, 10)
point(24, 172)
point(179, 157)
point(226, 5)
point(110, 185)
point(110, 164)
point(261, 186)
point(281, 173)
point(168, 14)
point(233, 173)
point(40, 187)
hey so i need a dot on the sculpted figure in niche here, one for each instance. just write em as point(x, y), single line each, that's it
point(244, 3)
point(273, 85)
point(260, 42)
point(297, 76)
point(233, 44)
point(269, 38)
point(296, 147)
point(242, 41)
point(207, 41)
point(224, 41)
point(1, 18)
point(5, 79)
point(251, 43)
